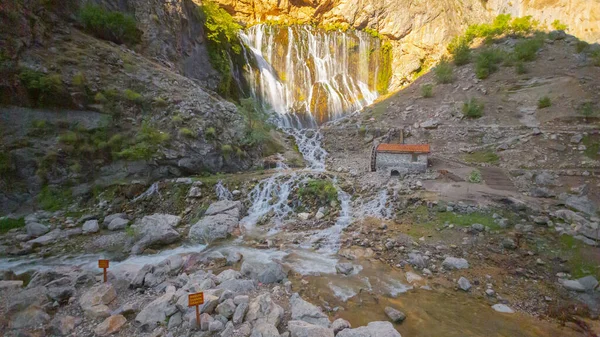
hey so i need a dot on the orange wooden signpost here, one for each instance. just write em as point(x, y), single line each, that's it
point(194, 300)
point(103, 264)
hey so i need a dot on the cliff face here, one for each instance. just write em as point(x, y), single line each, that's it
point(419, 29)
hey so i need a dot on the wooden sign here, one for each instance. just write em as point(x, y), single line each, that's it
point(104, 265)
point(194, 300)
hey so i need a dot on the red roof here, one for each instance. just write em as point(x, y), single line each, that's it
point(403, 148)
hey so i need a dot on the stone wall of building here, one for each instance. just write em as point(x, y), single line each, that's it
point(401, 162)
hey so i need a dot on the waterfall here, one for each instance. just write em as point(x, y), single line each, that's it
point(309, 76)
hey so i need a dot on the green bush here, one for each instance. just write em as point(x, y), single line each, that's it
point(427, 90)
point(482, 157)
point(473, 108)
point(100, 98)
point(581, 46)
point(54, 199)
point(526, 49)
point(7, 224)
point(487, 62)
point(521, 68)
point(475, 177)
point(443, 72)
point(44, 89)
point(461, 53)
point(185, 132)
point(321, 191)
point(544, 102)
point(595, 56)
point(70, 138)
point(557, 25)
point(587, 109)
point(226, 150)
point(145, 144)
point(112, 26)
point(132, 96)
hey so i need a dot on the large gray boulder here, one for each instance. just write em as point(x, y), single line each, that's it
point(455, 263)
point(35, 229)
point(157, 311)
point(155, 230)
point(238, 286)
point(20, 300)
point(581, 204)
point(32, 317)
point(304, 329)
point(373, 329)
point(90, 226)
point(307, 312)
point(117, 224)
point(109, 218)
point(264, 330)
point(263, 310)
point(263, 272)
point(220, 220)
point(94, 301)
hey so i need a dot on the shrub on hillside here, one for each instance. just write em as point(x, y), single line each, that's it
point(526, 49)
point(473, 108)
point(557, 25)
point(544, 102)
point(475, 177)
point(487, 62)
point(46, 90)
point(108, 25)
point(443, 72)
point(461, 52)
point(427, 90)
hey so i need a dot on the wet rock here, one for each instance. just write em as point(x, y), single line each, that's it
point(339, 325)
point(90, 226)
point(305, 329)
point(263, 272)
point(227, 275)
point(344, 268)
point(226, 309)
point(155, 230)
point(307, 312)
point(373, 329)
point(263, 310)
point(229, 207)
point(35, 229)
point(265, 330)
point(451, 263)
point(157, 311)
point(32, 317)
point(240, 313)
point(118, 224)
point(502, 308)
point(110, 325)
point(395, 315)
point(464, 284)
point(63, 326)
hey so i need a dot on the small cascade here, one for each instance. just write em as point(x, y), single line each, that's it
point(377, 207)
point(222, 192)
point(149, 192)
point(309, 145)
point(329, 239)
point(309, 75)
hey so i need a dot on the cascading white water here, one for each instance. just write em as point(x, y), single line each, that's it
point(308, 75)
point(222, 192)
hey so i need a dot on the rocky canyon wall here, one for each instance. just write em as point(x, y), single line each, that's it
point(419, 30)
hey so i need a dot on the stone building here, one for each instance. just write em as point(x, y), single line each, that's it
point(400, 159)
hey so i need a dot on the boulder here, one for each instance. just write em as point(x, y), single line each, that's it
point(238, 286)
point(35, 229)
point(581, 204)
point(241, 299)
point(175, 321)
point(63, 326)
point(451, 263)
point(229, 207)
point(155, 230)
point(264, 330)
point(499, 307)
point(395, 315)
point(94, 301)
point(417, 260)
point(588, 282)
point(304, 329)
point(118, 224)
point(90, 226)
point(216, 326)
point(373, 329)
point(20, 300)
point(307, 312)
point(61, 290)
point(227, 275)
point(46, 239)
point(263, 310)
point(240, 313)
point(157, 311)
point(109, 218)
point(263, 272)
point(339, 325)
point(464, 284)
point(33, 317)
point(344, 268)
point(110, 325)
point(214, 227)
point(226, 309)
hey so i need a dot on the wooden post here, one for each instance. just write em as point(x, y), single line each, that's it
point(104, 265)
point(401, 136)
point(194, 300)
